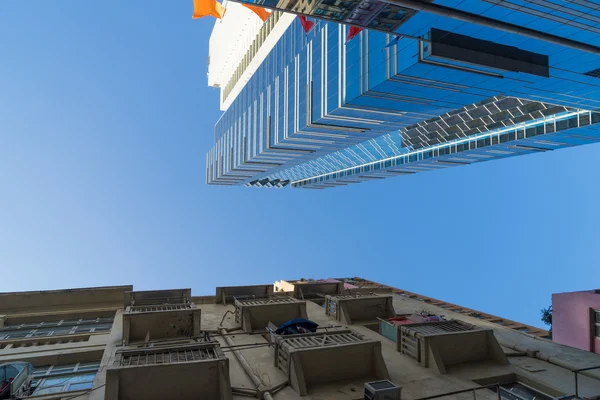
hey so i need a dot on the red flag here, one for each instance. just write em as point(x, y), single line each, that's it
point(353, 31)
point(306, 24)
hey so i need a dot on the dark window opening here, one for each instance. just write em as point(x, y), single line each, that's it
point(470, 50)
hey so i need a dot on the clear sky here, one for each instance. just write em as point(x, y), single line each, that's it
point(105, 120)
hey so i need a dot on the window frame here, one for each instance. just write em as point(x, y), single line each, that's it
point(53, 328)
point(595, 323)
point(54, 371)
point(539, 391)
point(540, 395)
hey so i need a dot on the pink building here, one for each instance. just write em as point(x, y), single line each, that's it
point(576, 319)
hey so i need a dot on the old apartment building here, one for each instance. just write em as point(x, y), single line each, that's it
point(365, 341)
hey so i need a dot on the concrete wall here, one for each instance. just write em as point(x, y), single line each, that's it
point(572, 319)
point(540, 363)
point(23, 302)
point(34, 307)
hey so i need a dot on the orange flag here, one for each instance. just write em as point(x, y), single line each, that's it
point(261, 12)
point(202, 8)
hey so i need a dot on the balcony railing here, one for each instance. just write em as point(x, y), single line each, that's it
point(440, 345)
point(256, 314)
point(186, 372)
point(496, 387)
point(171, 355)
point(579, 371)
point(262, 302)
point(141, 323)
point(317, 290)
point(166, 307)
point(158, 297)
point(359, 307)
point(229, 294)
point(298, 355)
point(43, 341)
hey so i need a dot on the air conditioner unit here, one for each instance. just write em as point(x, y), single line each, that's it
point(382, 390)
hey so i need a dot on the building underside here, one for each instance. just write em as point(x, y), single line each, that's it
point(318, 110)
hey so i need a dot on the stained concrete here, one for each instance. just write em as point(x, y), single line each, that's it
point(534, 361)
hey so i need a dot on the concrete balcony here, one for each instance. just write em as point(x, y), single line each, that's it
point(169, 321)
point(229, 294)
point(158, 297)
point(255, 314)
point(441, 345)
point(359, 308)
point(313, 359)
point(316, 290)
point(183, 372)
point(23, 307)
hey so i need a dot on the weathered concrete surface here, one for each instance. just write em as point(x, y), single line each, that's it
point(533, 361)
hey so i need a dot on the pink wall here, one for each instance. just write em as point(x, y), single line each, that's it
point(571, 319)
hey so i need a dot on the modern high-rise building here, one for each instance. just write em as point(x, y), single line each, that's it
point(576, 319)
point(338, 339)
point(426, 85)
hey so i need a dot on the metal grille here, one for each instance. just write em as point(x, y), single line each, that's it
point(331, 307)
point(165, 307)
point(160, 297)
point(169, 356)
point(436, 328)
point(411, 346)
point(42, 342)
point(378, 385)
point(260, 302)
point(240, 304)
point(320, 340)
point(286, 344)
point(411, 336)
point(354, 296)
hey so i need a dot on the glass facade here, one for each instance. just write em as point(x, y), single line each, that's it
point(321, 111)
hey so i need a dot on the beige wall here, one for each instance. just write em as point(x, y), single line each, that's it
point(32, 307)
point(534, 361)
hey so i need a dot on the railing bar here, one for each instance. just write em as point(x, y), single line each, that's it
point(343, 338)
point(495, 385)
point(586, 369)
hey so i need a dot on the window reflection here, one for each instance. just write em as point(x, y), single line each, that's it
point(64, 378)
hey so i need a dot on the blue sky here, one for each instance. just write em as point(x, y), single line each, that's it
point(105, 120)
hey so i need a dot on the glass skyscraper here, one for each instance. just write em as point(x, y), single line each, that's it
point(426, 85)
